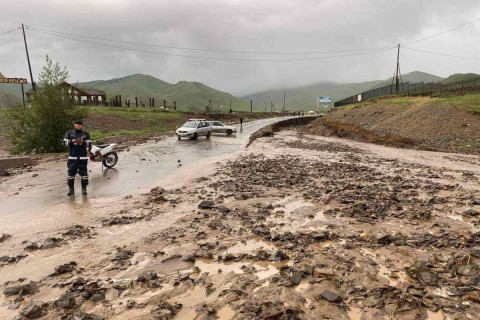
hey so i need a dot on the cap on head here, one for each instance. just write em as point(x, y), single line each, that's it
point(78, 122)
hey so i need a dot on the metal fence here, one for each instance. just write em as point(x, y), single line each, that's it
point(429, 89)
point(149, 102)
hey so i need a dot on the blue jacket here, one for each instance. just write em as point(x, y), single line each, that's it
point(76, 149)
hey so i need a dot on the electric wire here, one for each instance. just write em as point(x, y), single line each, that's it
point(206, 50)
point(10, 31)
point(441, 54)
point(215, 58)
point(442, 33)
point(246, 52)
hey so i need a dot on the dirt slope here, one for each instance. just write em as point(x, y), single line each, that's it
point(421, 123)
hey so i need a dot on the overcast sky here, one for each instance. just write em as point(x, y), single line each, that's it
point(275, 26)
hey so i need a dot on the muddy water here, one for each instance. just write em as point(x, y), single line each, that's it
point(138, 169)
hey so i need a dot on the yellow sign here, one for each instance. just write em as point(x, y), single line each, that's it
point(13, 80)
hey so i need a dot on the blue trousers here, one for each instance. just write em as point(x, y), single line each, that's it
point(78, 166)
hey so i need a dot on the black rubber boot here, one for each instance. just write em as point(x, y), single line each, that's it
point(71, 190)
point(84, 186)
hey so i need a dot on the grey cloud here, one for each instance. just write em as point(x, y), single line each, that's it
point(267, 25)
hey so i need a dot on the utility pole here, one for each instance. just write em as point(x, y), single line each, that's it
point(23, 96)
point(283, 100)
point(271, 106)
point(265, 107)
point(251, 106)
point(28, 58)
point(230, 105)
point(397, 87)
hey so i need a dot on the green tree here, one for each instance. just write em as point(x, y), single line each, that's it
point(40, 127)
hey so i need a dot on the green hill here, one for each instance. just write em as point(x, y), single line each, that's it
point(413, 77)
point(11, 94)
point(459, 77)
point(9, 100)
point(133, 85)
point(188, 95)
point(303, 98)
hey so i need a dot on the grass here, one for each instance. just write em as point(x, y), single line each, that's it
point(142, 114)
point(154, 121)
point(469, 101)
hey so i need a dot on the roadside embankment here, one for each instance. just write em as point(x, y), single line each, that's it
point(271, 129)
point(447, 125)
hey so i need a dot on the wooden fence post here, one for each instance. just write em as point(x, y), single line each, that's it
point(175, 105)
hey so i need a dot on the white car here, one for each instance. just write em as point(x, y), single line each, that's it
point(218, 127)
point(194, 128)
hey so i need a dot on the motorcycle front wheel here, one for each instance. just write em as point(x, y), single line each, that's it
point(110, 159)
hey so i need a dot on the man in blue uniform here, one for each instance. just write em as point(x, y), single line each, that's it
point(77, 140)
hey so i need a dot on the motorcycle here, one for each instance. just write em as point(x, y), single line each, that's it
point(103, 153)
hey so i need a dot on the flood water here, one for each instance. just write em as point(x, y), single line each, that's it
point(137, 170)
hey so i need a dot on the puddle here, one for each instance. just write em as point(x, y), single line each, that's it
point(263, 269)
point(298, 213)
point(303, 287)
point(250, 245)
point(48, 294)
point(394, 277)
point(355, 314)
point(319, 216)
point(266, 272)
point(265, 284)
point(460, 218)
point(327, 244)
point(438, 315)
point(150, 264)
point(226, 313)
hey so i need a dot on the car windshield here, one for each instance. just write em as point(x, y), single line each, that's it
point(190, 124)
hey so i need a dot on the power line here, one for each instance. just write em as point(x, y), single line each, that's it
point(442, 54)
point(442, 33)
point(213, 58)
point(52, 32)
point(204, 50)
point(10, 31)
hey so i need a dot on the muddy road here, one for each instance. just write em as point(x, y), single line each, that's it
point(138, 168)
point(294, 227)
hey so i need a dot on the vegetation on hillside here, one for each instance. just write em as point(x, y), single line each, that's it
point(459, 77)
point(189, 96)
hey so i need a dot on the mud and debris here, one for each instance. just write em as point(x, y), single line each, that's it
point(295, 227)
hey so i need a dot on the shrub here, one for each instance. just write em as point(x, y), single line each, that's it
point(40, 127)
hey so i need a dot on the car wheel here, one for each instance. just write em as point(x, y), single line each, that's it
point(179, 138)
point(195, 136)
point(229, 132)
point(208, 134)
